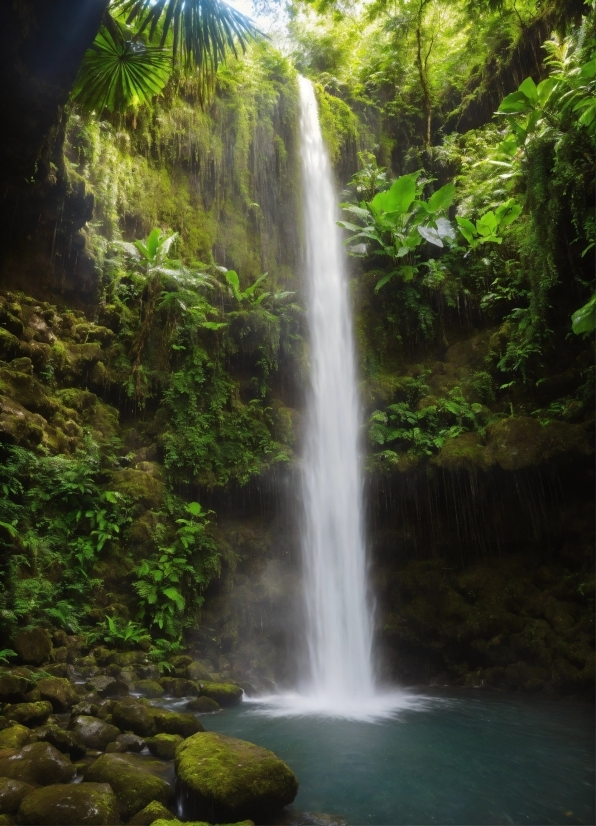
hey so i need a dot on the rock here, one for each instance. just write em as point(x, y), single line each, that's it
point(103, 656)
point(154, 811)
point(65, 741)
point(148, 688)
point(33, 646)
point(226, 694)
point(131, 742)
point(58, 669)
point(14, 737)
point(133, 785)
point(59, 692)
point(203, 705)
point(39, 763)
point(107, 686)
point(85, 708)
point(178, 687)
point(13, 688)
point(93, 733)
point(105, 710)
point(72, 805)
point(226, 780)
point(115, 748)
point(131, 715)
point(181, 661)
point(33, 696)
point(197, 671)
point(164, 745)
point(11, 794)
point(29, 714)
point(171, 722)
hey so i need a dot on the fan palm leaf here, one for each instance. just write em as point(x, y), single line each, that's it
point(117, 74)
point(203, 30)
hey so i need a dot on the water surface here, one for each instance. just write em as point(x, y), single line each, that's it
point(461, 758)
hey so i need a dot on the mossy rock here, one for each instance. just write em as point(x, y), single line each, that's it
point(12, 793)
point(203, 705)
point(172, 722)
point(179, 687)
point(84, 804)
point(196, 671)
point(164, 745)
point(34, 646)
point(13, 688)
point(59, 692)
point(133, 716)
point(94, 733)
point(65, 741)
point(14, 737)
point(228, 780)
point(226, 694)
point(19, 426)
point(29, 714)
point(152, 812)
point(148, 688)
point(520, 441)
point(39, 764)
point(143, 489)
point(134, 786)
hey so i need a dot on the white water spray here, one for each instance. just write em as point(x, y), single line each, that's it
point(339, 623)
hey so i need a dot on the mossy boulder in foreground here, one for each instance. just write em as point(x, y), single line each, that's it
point(224, 780)
point(85, 804)
point(39, 764)
point(132, 783)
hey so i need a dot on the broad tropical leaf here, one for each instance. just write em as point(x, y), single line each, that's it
point(117, 74)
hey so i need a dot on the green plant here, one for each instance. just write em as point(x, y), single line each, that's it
point(114, 631)
point(486, 229)
point(5, 654)
point(584, 319)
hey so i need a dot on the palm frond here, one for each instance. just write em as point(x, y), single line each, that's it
point(203, 30)
point(117, 74)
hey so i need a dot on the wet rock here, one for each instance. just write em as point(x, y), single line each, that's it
point(164, 745)
point(227, 780)
point(179, 687)
point(133, 785)
point(14, 737)
point(104, 656)
point(226, 694)
point(131, 742)
point(521, 441)
point(34, 645)
point(148, 688)
point(65, 741)
point(154, 811)
point(171, 722)
point(85, 708)
point(11, 794)
point(93, 733)
point(197, 671)
point(133, 716)
point(13, 688)
point(107, 686)
point(203, 705)
point(33, 696)
point(29, 714)
point(92, 804)
point(59, 692)
point(60, 668)
point(39, 763)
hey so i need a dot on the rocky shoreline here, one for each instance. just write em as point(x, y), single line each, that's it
point(84, 740)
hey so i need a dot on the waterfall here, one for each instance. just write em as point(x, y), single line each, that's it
point(339, 624)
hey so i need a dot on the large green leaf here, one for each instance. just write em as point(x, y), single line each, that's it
point(398, 198)
point(442, 198)
point(117, 75)
point(584, 319)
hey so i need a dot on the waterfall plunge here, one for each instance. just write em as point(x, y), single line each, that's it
point(341, 681)
point(339, 627)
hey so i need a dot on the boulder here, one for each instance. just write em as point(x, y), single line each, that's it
point(93, 733)
point(39, 763)
point(131, 742)
point(65, 741)
point(148, 688)
point(164, 745)
point(178, 687)
point(58, 669)
point(172, 722)
point(14, 737)
point(13, 688)
point(59, 692)
point(29, 714)
point(133, 785)
point(85, 708)
point(226, 694)
point(11, 793)
point(154, 811)
point(197, 671)
point(33, 645)
point(133, 716)
point(225, 780)
point(107, 686)
point(72, 805)
point(203, 705)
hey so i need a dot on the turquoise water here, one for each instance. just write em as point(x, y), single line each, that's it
point(464, 758)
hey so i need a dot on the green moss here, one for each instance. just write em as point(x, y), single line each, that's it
point(132, 784)
point(226, 694)
point(339, 124)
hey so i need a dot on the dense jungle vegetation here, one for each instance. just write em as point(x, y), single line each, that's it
point(154, 346)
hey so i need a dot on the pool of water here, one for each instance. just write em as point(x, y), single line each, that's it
point(455, 758)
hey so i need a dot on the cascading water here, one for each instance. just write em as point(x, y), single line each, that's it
point(339, 626)
point(340, 680)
